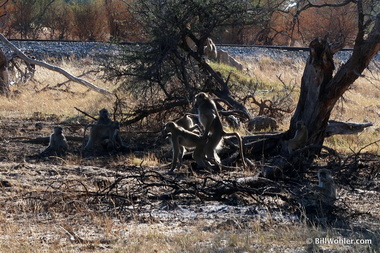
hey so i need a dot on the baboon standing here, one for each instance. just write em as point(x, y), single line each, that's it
point(181, 139)
point(213, 128)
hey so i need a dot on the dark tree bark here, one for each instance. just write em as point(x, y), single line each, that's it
point(320, 90)
point(4, 81)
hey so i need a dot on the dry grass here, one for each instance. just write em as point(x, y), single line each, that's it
point(28, 224)
point(100, 233)
point(30, 98)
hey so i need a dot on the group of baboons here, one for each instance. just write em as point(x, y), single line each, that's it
point(203, 139)
point(104, 136)
point(184, 133)
point(205, 145)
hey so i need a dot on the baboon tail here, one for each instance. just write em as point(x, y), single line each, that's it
point(240, 142)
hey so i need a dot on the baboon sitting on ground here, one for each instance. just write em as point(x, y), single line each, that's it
point(104, 117)
point(104, 136)
point(57, 144)
point(326, 188)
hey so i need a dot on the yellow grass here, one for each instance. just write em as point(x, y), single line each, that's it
point(359, 104)
point(28, 98)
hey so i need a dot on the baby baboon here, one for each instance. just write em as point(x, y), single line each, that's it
point(114, 141)
point(104, 117)
point(181, 138)
point(187, 123)
point(213, 128)
point(57, 145)
point(300, 138)
point(326, 188)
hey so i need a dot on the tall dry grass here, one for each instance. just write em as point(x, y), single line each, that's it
point(41, 94)
point(359, 103)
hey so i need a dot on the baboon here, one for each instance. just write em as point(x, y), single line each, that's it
point(187, 123)
point(181, 138)
point(300, 138)
point(209, 49)
point(233, 122)
point(104, 137)
point(104, 117)
point(326, 188)
point(57, 144)
point(213, 128)
point(189, 43)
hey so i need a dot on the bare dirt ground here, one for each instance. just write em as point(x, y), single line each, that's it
point(121, 203)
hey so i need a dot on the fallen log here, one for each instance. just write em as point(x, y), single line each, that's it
point(263, 143)
point(44, 140)
point(338, 127)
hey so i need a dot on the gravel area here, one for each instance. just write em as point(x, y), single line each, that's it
point(256, 53)
point(62, 50)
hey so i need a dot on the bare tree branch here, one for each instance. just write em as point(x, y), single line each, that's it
point(52, 67)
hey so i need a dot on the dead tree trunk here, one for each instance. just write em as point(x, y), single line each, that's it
point(4, 81)
point(320, 90)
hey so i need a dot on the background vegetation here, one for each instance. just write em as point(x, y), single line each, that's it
point(104, 20)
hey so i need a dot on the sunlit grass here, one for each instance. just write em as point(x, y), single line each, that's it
point(34, 97)
point(367, 141)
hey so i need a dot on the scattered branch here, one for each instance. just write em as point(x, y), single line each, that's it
point(85, 113)
point(52, 67)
